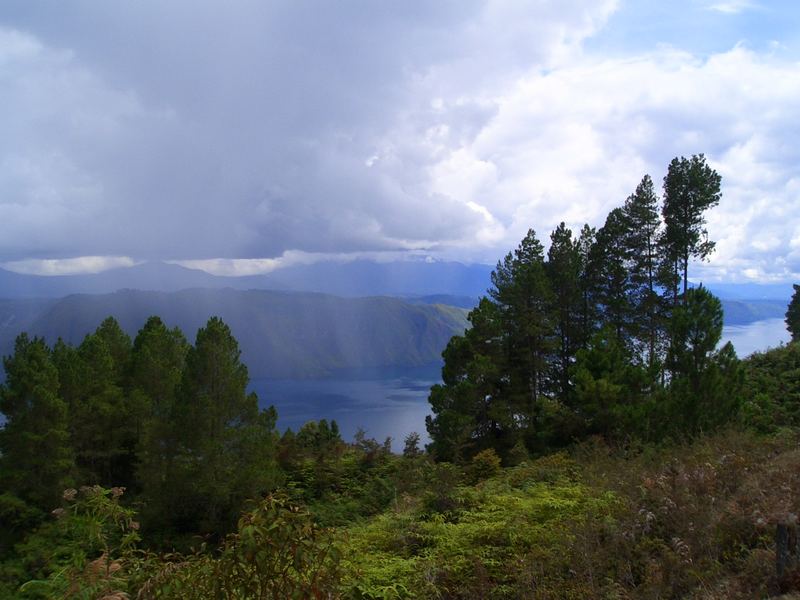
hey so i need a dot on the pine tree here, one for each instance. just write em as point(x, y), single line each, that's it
point(588, 319)
point(497, 375)
point(704, 382)
point(643, 223)
point(102, 428)
point(524, 298)
point(608, 278)
point(608, 386)
point(793, 314)
point(695, 331)
point(118, 344)
point(470, 409)
point(36, 461)
point(156, 368)
point(157, 362)
point(563, 267)
point(690, 188)
point(226, 446)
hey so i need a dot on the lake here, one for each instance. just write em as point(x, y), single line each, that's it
point(394, 401)
point(756, 337)
point(385, 402)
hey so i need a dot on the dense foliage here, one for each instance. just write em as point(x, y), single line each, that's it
point(171, 422)
point(694, 521)
point(353, 520)
point(596, 336)
point(793, 315)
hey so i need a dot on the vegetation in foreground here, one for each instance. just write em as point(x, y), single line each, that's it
point(689, 521)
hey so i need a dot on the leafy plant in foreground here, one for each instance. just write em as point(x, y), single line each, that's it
point(277, 552)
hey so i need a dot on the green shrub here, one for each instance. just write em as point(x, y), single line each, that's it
point(277, 552)
point(484, 464)
point(87, 551)
point(479, 553)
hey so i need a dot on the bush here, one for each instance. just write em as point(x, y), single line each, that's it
point(87, 551)
point(277, 552)
point(485, 464)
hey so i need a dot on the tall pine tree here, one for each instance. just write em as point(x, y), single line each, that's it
point(36, 460)
point(226, 446)
point(470, 408)
point(102, 426)
point(524, 298)
point(588, 316)
point(564, 267)
point(642, 235)
point(156, 368)
point(608, 278)
point(690, 188)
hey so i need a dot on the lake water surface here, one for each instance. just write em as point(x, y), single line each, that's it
point(756, 337)
point(394, 401)
point(385, 402)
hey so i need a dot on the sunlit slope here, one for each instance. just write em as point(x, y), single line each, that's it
point(281, 334)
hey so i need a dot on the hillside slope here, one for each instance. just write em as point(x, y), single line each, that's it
point(742, 312)
point(281, 334)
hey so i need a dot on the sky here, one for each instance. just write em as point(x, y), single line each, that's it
point(242, 136)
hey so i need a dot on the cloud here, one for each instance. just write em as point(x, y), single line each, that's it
point(238, 267)
point(185, 131)
point(732, 7)
point(68, 266)
point(571, 144)
point(247, 136)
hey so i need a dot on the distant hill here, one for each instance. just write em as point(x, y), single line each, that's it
point(154, 276)
point(369, 278)
point(435, 282)
point(468, 302)
point(737, 312)
point(780, 292)
point(281, 334)
point(356, 278)
point(740, 312)
point(417, 283)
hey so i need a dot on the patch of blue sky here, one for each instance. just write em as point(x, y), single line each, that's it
point(700, 27)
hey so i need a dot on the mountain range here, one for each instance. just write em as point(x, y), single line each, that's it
point(349, 279)
point(453, 281)
point(299, 321)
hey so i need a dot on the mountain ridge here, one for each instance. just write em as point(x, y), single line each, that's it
point(281, 334)
point(408, 279)
point(351, 279)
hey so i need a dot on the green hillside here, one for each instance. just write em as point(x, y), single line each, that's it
point(743, 312)
point(282, 334)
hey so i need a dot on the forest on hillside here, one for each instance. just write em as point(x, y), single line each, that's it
point(589, 440)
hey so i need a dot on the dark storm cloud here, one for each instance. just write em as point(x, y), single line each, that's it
point(244, 129)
